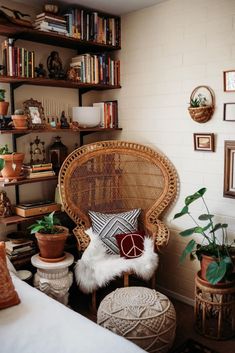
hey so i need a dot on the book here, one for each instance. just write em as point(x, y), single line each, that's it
point(41, 174)
point(10, 245)
point(50, 15)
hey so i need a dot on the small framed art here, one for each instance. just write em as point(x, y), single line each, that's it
point(229, 168)
point(229, 111)
point(229, 81)
point(35, 113)
point(204, 142)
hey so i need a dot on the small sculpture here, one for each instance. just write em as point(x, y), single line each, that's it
point(63, 121)
point(40, 71)
point(54, 65)
point(6, 208)
point(1, 69)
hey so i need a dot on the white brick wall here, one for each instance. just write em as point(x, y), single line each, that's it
point(168, 50)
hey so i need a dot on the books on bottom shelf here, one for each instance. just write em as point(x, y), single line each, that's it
point(109, 113)
point(38, 170)
point(42, 174)
point(20, 250)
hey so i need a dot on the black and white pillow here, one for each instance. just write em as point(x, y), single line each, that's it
point(107, 225)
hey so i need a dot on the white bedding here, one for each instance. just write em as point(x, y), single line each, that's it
point(40, 324)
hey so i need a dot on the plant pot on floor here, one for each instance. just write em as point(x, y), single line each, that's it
point(13, 165)
point(51, 246)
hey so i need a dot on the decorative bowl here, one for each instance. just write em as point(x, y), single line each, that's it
point(87, 117)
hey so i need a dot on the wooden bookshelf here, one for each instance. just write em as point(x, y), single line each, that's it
point(7, 221)
point(28, 181)
point(47, 130)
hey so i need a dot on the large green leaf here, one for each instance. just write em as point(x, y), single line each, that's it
point(219, 226)
point(187, 232)
point(182, 212)
point(187, 250)
point(2, 163)
point(205, 217)
point(191, 198)
point(36, 229)
point(216, 271)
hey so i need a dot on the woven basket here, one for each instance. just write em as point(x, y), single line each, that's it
point(202, 114)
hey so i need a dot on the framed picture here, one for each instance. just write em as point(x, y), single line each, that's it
point(229, 168)
point(204, 142)
point(229, 111)
point(229, 81)
point(35, 112)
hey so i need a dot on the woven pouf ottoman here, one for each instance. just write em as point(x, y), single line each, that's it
point(142, 315)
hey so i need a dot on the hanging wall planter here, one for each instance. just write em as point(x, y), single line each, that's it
point(200, 109)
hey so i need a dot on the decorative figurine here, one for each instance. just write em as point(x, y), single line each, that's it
point(63, 121)
point(54, 65)
point(6, 208)
point(1, 69)
point(6, 123)
point(40, 71)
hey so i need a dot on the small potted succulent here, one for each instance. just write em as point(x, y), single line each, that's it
point(214, 251)
point(51, 237)
point(10, 163)
point(20, 119)
point(3, 104)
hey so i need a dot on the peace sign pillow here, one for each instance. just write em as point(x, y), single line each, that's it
point(131, 245)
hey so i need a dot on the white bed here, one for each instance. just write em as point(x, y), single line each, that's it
point(40, 324)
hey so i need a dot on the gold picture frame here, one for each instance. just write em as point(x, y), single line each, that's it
point(204, 142)
point(35, 112)
point(229, 169)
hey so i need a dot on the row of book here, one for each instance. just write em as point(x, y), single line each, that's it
point(50, 22)
point(92, 68)
point(20, 250)
point(92, 26)
point(109, 113)
point(38, 170)
point(17, 62)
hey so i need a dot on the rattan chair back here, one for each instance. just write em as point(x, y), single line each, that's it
point(116, 176)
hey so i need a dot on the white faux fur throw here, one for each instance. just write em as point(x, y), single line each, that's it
point(96, 268)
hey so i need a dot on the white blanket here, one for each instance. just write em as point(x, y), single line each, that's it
point(40, 324)
point(96, 268)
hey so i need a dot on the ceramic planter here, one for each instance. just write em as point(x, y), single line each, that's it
point(51, 246)
point(13, 164)
point(20, 122)
point(205, 262)
point(4, 108)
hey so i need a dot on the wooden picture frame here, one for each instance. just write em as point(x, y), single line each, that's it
point(204, 142)
point(229, 81)
point(35, 112)
point(229, 111)
point(229, 169)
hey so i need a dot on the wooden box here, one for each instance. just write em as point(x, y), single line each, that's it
point(36, 210)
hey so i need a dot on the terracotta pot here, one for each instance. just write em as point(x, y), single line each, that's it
point(4, 108)
point(205, 262)
point(10, 160)
point(20, 121)
point(51, 246)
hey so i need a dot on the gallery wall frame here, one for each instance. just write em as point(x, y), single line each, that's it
point(204, 142)
point(229, 169)
point(229, 81)
point(229, 111)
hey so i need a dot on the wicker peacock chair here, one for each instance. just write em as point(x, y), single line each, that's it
point(117, 176)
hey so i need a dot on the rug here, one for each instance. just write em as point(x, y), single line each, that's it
point(191, 346)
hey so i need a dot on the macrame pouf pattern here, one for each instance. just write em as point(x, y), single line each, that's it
point(142, 315)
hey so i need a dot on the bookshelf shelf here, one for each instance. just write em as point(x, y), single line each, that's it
point(28, 181)
point(47, 130)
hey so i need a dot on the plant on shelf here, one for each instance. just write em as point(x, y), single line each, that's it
point(51, 237)
point(20, 119)
point(199, 101)
point(10, 163)
point(215, 252)
point(3, 104)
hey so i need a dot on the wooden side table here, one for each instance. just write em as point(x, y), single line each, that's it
point(54, 278)
point(214, 309)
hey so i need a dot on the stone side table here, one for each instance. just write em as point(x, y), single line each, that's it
point(54, 279)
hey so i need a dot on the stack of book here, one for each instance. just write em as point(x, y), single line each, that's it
point(17, 62)
point(38, 170)
point(109, 113)
point(51, 23)
point(20, 250)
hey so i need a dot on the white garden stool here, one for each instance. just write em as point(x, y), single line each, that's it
point(142, 315)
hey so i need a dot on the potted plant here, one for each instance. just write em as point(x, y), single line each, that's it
point(51, 237)
point(214, 251)
point(10, 163)
point(3, 105)
point(20, 120)
point(200, 109)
